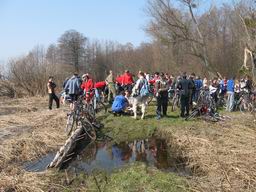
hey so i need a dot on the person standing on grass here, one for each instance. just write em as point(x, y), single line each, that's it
point(184, 86)
point(111, 86)
point(127, 81)
point(192, 89)
point(198, 86)
point(87, 86)
point(51, 91)
point(230, 93)
point(161, 88)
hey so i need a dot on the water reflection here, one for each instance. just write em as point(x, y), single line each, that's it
point(108, 156)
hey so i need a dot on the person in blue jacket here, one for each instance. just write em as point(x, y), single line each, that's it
point(120, 103)
point(198, 86)
point(230, 93)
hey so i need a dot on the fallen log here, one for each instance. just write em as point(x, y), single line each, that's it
point(85, 132)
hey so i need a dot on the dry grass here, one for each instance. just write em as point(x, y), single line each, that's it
point(222, 156)
point(44, 132)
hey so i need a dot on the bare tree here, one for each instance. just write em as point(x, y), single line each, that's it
point(72, 48)
point(28, 74)
point(171, 25)
point(246, 10)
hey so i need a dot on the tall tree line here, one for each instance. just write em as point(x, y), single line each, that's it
point(181, 41)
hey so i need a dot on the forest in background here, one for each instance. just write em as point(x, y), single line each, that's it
point(211, 42)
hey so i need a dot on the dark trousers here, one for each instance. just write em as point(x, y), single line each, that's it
point(128, 88)
point(162, 103)
point(184, 103)
point(52, 97)
point(192, 95)
point(197, 92)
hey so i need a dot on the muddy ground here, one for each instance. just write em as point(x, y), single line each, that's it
point(220, 156)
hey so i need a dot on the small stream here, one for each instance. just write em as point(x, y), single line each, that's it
point(108, 156)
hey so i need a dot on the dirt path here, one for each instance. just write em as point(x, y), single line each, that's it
point(23, 115)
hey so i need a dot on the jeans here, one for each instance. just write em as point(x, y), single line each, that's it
point(196, 95)
point(230, 101)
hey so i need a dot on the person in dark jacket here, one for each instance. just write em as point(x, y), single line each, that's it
point(248, 84)
point(184, 86)
point(192, 89)
point(51, 91)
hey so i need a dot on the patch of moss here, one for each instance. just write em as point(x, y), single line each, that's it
point(125, 128)
point(140, 178)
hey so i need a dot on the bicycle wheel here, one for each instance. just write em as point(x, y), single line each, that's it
point(89, 129)
point(70, 123)
point(91, 110)
point(243, 107)
point(92, 134)
point(251, 107)
point(99, 106)
point(150, 99)
point(192, 115)
point(210, 118)
point(174, 103)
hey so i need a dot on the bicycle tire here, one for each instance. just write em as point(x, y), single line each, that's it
point(98, 106)
point(89, 129)
point(92, 110)
point(192, 115)
point(70, 123)
point(150, 99)
point(210, 118)
point(174, 104)
point(242, 107)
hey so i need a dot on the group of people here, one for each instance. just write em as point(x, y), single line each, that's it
point(119, 88)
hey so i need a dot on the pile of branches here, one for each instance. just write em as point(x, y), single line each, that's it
point(7, 89)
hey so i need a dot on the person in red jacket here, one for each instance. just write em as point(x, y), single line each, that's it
point(87, 87)
point(100, 85)
point(119, 79)
point(100, 90)
point(127, 81)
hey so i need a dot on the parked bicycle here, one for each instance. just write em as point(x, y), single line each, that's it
point(176, 100)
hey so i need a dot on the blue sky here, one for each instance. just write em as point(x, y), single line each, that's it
point(27, 23)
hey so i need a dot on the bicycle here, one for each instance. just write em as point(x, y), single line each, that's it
point(85, 132)
point(205, 98)
point(73, 116)
point(176, 100)
point(246, 102)
point(206, 108)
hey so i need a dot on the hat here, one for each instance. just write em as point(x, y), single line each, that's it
point(85, 75)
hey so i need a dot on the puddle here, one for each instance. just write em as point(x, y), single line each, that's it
point(108, 156)
point(39, 165)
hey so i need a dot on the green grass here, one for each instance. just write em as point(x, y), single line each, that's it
point(140, 178)
point(133, 178)
point(125, 128)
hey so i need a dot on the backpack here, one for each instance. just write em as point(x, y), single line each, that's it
point(144, 91)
